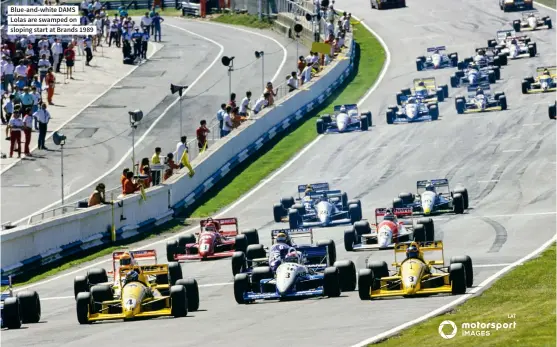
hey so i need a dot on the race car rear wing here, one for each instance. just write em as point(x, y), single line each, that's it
point(317, 256)
point(328, 193)
point(502, 34)
point(437, 183)
point(530, 13)
point(348, 107)
point(228, 226)
point(552, 70)
point(293, 233)
point(148, 270)
point(317, 187)
point(438, 48)
point(429, 83)
point(485, 88)
point(425, 247)
point(399, 212)
point(139, 255)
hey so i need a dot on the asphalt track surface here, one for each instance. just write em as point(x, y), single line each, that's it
point(505, 159)
point(105, 124)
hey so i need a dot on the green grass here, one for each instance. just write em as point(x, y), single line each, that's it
point(243, 19)
point(550, 3)
point(369, 65)
point(528, 292)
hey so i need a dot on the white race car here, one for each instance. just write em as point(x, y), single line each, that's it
point(514, 46)
point(346, 118)
point(532, 21)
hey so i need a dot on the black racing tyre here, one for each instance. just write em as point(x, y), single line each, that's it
point(454, 61)
point(549, 23)
point(301, 208)
point(503, 59)
point(457, 276)
point(531, 51)
point(252, 236)
point(96, 276)
point(454, 81)
point(503, 102)
point(99, 294)
point(294, 219)
point(185, 240)
point(399, 97)
point(407, 198)
point(464, 193)
point(379, 269)
point(440, 95)
point(287, 202)
point(349, 240)
point(419, 65)
point(260, 273)
point(30, 306)
point(84, 305)
point(241, 286)
point(11, 314)
point(255, 252)
point(491, 76)
point(192, 293)
point(397, 203)
point(171, 250)
point(491, 43)
point(331, 250)
point(355, 213)
point(320, 126)
point(326, 118)
point(466, 261)
point(445, 90)
point(369, 117)
point(365, 279)
point(178, 301)
point(80, 285)
point(458, 204)
point(429, 228)
point(461, 65)
point(459, 74)
point(355, 202)
point(278, 212)
point(364, 126)
point(434, 112)
point(390, 117)
point(460, 106)
point(420, 233)
point(552, 111)
point(344, 200)
point(174, 273)
point(331, 282)
point(525, 87)
point(406, 91)
point(516, 25)
point(497, 72)
point(238, 262)
point(362, 228)
point(240, 243)
point(347, 275)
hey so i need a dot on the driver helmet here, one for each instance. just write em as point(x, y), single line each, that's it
point(513, 42)
point(429, 187)
point(546, 72)
point(132, 276)
point(436, 51)
point(479, 91)
point(411, 100)
point(293, 256)
point(324, 197)
point(508, 34)
point(412, 251)
point(389, 216)
point(481, 52)
point(126, 259)
point(309, 188)
point(421, 84)
point(210, 227)
point(282, 238)
point(342, 109)
point(531, 14)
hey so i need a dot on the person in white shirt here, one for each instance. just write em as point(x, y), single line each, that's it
point(346, 23)
point(306, 74)
point(57, 53)
point(244, 105)
point(44, 44)
point(21, 70)
point(146, 22)
point(29, 52)
point(220, 117)
point(180, 149)
point(45, 52)
point(226, 124)
point(43, 117)
point(27, 130)
point(43, 65)
point(8, 73)
point(261, 103)
point(32, 39)
point(9, 109)
point(292, 81)
point(84, 7)
point(99, 24)
point(331, 27)
point(97, 5)
point(14, 127)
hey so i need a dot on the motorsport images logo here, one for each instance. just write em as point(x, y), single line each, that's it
point(448, 329)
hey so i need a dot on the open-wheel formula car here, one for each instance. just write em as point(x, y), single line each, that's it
point(296, 277)
point(544, 81)
point(18, 308)
point(217, 238)
point(418, 274)
point(144, 291)
point(430, 201)
point(412, 110)
point(510, 5)
point(473, 76)
point(436, 59)
point(388, 230)
point(513, 46)
point(487, 58)
point(383, 4)
point(480, 99)
point(280, 210)
point(532, 21)
point(344, 119)
point(551, 110)
point(424, 89)
point(283, 240)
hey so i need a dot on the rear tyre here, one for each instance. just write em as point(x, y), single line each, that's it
point(420, 233)
point(185, 240)
point(464, 193)
point(192, 293)
point(347, 275)
point(80, 285)
point(457, 276)
point(320, 126)
point(174, 273)
point(434, 112)
point(460, 106)
point(428, 227)
point(445, 90)
point(466, 261)
point(171, 250)
point(252, 236)
point(458, 204)
point(531, 51)
point(407, 198)
point(355, 213)
point(238, 262)
point(516, 25)
point(241, 243)
point(365, 278)
point(331, 282)
point(552, 111)
point(399, 97)
point(287, 202)
point(525, 87)
point(349, 240)
point(491, 77)
point(390, 117)
point(260, 273)
point(83, 307)
point(278, 213)
point(419, 65)
point(440, 95)
point(549, 23)
point(397, 203)
point(178, 301)
point(30, 306)
point(363, 123)
point(293, 219)
point(241, 286)
point(331, 250)
point(96, 276)
point(255, 252)
point(11, 317)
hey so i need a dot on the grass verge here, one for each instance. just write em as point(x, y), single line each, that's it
point(550, 3)
point(243, 19)
point(369, 62)
point(527, 292)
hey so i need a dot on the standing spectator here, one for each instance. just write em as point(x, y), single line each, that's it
point(261, 103)
point(99, 24)
point(88, 50)
point(57, 54)
point(202, 133)
point(330, 27)
point(44, 65)
point(27, 101)
point(220, 117)
point(146, 182)
point(144, 44)
point(114, 34)
point(37, 99)
point(69, 54)
point(292, 81)
point(144, 164)
point(180, 148)
point(137, 38)
point(124, 177)
point(272, 93)
point(27, 129)
point(232, 102)
point(157, 20)
point(244, 105)
point(84, 7)
point(14, 127)
point(146, 22)
point(169, 161)
point(50, 83)
point(302, 62)
point(21, 71)
point(30, 72)
point(156, 159)
point(8, 107)
point(227, 122)
point(7, 73)
point(43, 117)
point(346, 23)
point(98, 197)
point(306, 74)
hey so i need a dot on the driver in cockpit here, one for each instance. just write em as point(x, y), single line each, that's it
point(421, 90)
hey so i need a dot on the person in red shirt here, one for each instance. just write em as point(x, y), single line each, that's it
point(69, 55)
point(171, 166)
point(147, 180)
point(15, 125)
point(27, 128)
point(50, 82)
point(30, 72)
point(202, 133)
point(232, 102)
point(123, 178)
point(129, 186)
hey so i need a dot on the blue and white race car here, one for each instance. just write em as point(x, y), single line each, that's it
point(513, 46)
point(413, 110)
point(345, 119)
point(294, 279)
point(473, 76)
point(487, 58)
point(429, 200)
point(436, 59)
point(23, 307)
point(480, 99)
point(282, 240)
point(424, 89)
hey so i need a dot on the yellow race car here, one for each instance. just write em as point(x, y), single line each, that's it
point(139, 291)
point(544, 82)
point(416, 275)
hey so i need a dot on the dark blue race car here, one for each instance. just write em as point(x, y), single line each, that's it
point(23, 307)
point(431, 200)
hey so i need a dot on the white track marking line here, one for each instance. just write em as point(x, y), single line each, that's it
point(488, 181)
point(254, 190)
point(58, 298)
point(494, 265)
point(157, 120)
point(512, 150)
point(546, 7)
point(50, 133)
point(530, 124)
point(456, 302)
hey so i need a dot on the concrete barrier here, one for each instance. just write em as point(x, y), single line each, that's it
point(30, 246)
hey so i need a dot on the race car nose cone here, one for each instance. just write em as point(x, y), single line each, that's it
point(427, 210)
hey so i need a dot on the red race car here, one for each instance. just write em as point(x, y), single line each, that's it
point(217, 238)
